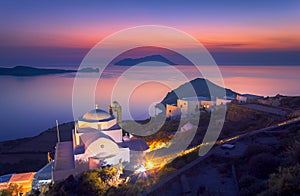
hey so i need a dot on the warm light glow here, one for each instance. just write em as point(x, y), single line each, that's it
point(159, 143)
point(141, 169)
point(156, 145)
point(227, 140)
point(149, 165)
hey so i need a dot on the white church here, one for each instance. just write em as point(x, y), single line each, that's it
point(98, 140)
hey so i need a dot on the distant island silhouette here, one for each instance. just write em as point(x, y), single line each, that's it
point(135, 61)
point(32, 71)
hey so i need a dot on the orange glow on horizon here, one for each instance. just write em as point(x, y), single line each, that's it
point(214, 38)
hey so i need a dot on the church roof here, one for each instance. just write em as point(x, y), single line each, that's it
point(45, 173)
point(114, 127)
point(135, 145)
point(90, 137)
point(103, 147)
point(97, 115)
point(5, 178)
point(22, 177)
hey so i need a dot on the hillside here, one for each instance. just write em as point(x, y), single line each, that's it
point(201, 89)
point(30, 154)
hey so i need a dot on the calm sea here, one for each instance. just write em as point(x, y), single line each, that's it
point(30, 105)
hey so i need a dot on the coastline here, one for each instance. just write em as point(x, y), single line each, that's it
point(30, 153)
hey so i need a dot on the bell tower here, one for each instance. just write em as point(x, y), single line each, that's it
point(115, 107)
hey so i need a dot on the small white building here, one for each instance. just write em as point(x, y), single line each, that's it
point(241, 99)
point(187, 127)
point(189, 105)
point(223, 101)
point(207, 104)
point(172, 110)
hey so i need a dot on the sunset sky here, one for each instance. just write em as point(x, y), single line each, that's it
point(46, 33)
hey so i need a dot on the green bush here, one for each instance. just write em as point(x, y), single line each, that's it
point(123, 190)
point(90, 182)
point(285, 182)
point(66, 187)
point(93, 182)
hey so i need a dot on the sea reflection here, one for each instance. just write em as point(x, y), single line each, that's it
point(30, 105)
